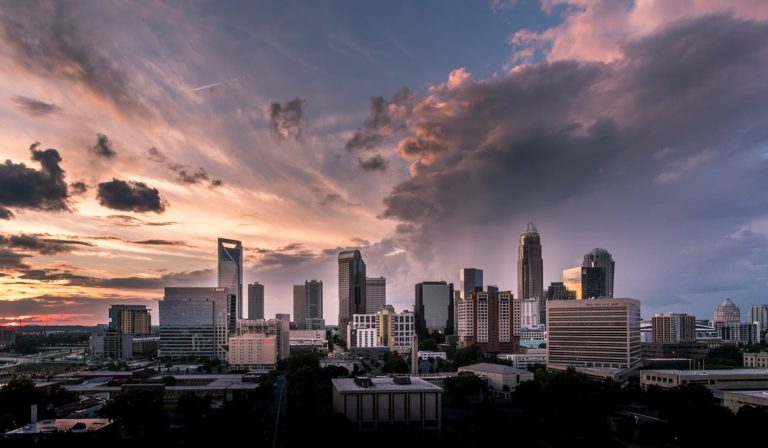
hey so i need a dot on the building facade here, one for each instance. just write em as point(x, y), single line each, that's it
point(256, 301)
point(592, 283)
point(277, 328)
point(486, 319)
point(434, 308)
point(727, 312)
point(352, 284)
point(756, 360)
point(602, 333)
point(252, 351)
point(389, 329)
point(375, 294)
point(231, 270)
point(737, 332)
point(313, 290)
point(529, 313)
point(601, 259)
point(673, 327)
point(300, 306)
point(558, 291)
point(530, 268)
point(572, 281)
point(759, 314)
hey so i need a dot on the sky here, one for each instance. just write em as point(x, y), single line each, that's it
point(426, 134)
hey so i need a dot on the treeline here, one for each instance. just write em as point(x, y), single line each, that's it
point(28, 344)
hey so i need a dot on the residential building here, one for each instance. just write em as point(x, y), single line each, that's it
point(129, 326)
point(308, 340)
point(737, 332)
point(529, 313)
point(602, 333)
point(252, 351)
point(299, 306)
point(385, 328)
point(601, 259)
point(371, 402)
point(727, 312)
point(756, 360)
point(352, 284)
point(470, 279)
point(434, 308)
point(255, 301)
point(130, 319)
point(486, 319)
point(673, 327)
point(277, 328)
point(502, 380)
point(375, 294)
point(530, 268)
point(196, 322)
point(231, 270)
point(315, 323)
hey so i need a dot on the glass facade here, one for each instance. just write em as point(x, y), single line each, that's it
point(434, 308)
point(231, 270)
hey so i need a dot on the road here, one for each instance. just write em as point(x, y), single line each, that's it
point(278, 409)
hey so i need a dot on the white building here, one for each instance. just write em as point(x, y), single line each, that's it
point(502, 380)
point(311, 339)
point(371, 402)
point(529, 313)
point(734, 400)
point(757, 360)
point(726, 379)
point(737, 332)
point(279, 328)
point(432, 355)
point(382, 329)
point(252, 351)
point(523, 360)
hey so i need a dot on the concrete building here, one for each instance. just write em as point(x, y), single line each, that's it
point(734, 400)
point(130, 319)
point(231, 270)
point(759, 314)
point(352, 284)
point(252, 351)
point(529, 313)
point(308, 340)
point(387, 328)
point(375, 294)
point(277, 328)
point(432, 355)
point(727, 379)
point(727, 312)
point(530, 268)
point(128, 335)
point(196, 322)
point(502, 380)
point(737, 332)
point(601, 285)
point(602, 333)
point(524, 360)
point(315, 323)
point(256, 301)
point(673, 350)
point(673, 327)
point(434, 308)
point(371, 402)
point(486, 319)
point(299, 306)
point(756, 360)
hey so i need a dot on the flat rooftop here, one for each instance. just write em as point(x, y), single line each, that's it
point(384, 384)
point(499, 369)
point(60, 425)
point(717, 372)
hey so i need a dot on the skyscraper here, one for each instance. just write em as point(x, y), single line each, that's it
point(351, 287)
point(558, 291)
point(256, 301)
point(375, 294)
point(471, 280)
point(572, 281)
point(487, 319)
point(314, 299)
point(674, 327)
point(592, 283)
point(727, 312)
point(759, 314)
point(601, 258)
point(130, 319)
point(530, 268)
point(299, 306)
point(231, 270)
point(434, 308)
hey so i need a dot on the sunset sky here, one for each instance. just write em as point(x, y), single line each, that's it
point(427, 134)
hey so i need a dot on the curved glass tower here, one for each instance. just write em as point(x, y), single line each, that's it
point(231, 270)
point(530, 269)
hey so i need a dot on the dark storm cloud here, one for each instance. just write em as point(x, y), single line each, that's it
point(5, 213)
point(103, 147)
point(35, 108)
point(386, 118)
point(161, 243)
point(78, 188)
point(12, 260)
point(60, 308)
point(186, 278)
point(40, 244)
point(185, 173)
point(129, 195)
point(48, 40)
point(373, 163)
point(286, 121)
point(24, 187)
point(130, 221)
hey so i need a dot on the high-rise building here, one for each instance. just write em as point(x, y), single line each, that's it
point(727, 312)
point(592, 283)
point(601, 258)
point(529, 313)
point(130, 326)
point(130, 319)
point(299, 306)
point(737, 332)
point(256, 301)
point(530, 268)
point(674, 327)
point(470, 279)
point(486, 319)
point(314, 300)
point(277, 328)
point(572, 281)
point(196, 322)
point(594, 333)
point(759, 314)
point(434, 308)
point(558, 291)
point(375, 294)
point(252, 351)
point(385, 328)
point(352, 282)
point(231, 270)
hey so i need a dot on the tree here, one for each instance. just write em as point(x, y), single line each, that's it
point(139, 411)
point(394, 363)
point(193, 408)
point(468, 355)
point(169, 380)
point(16, 397)
point(464, 386)
point(429, 345)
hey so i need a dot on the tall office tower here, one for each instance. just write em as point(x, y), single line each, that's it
point(530, 268)
point(314, 300)
point(759, 314)
point(375, 294)
point(299, 307)
point(130, 319)
point(592, 283)
point(727, 312)
point(231, 270)
point(572, 281)
point(278, 328)
point(558, 291)
point(529, 313)
point(486, 319)
point(196, 322)
point(256, 301)
point(594, 333)
point(674, 327)
point(600, 258)
point(470, 279)
point(352, 282)
point(434, 308)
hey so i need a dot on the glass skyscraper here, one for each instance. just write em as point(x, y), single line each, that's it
point(434, 308)
point(530, 269)
point(352, 282)
point(601, 258)
point(231, 270)
point(256, 301)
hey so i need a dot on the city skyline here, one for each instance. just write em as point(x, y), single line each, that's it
point(165, 127)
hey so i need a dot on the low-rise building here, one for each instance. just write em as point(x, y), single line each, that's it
point(734, 400)
point(384, 328)
point(502, 380)
point(371, 402)
point(523, 360)
point(725, 379)
point(252, 351)
point(308, 340)
point(44, 428)
point(756, 360)
point(432, 355)
point(738, 332)
point(674, 350)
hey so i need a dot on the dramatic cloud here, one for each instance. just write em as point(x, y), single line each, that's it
point(186, 174)
point(373, 163)
point(52, 309)
point(103, 147)
point(286, 120)
point(23, 187)
point(78, 188)
point(35, 108)
point(130, 221)
point(386, 119)
point(12, 260)
point(162, 243)
point(40, 244)
point(131, 196)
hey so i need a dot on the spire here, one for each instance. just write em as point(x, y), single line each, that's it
point(530, 229)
